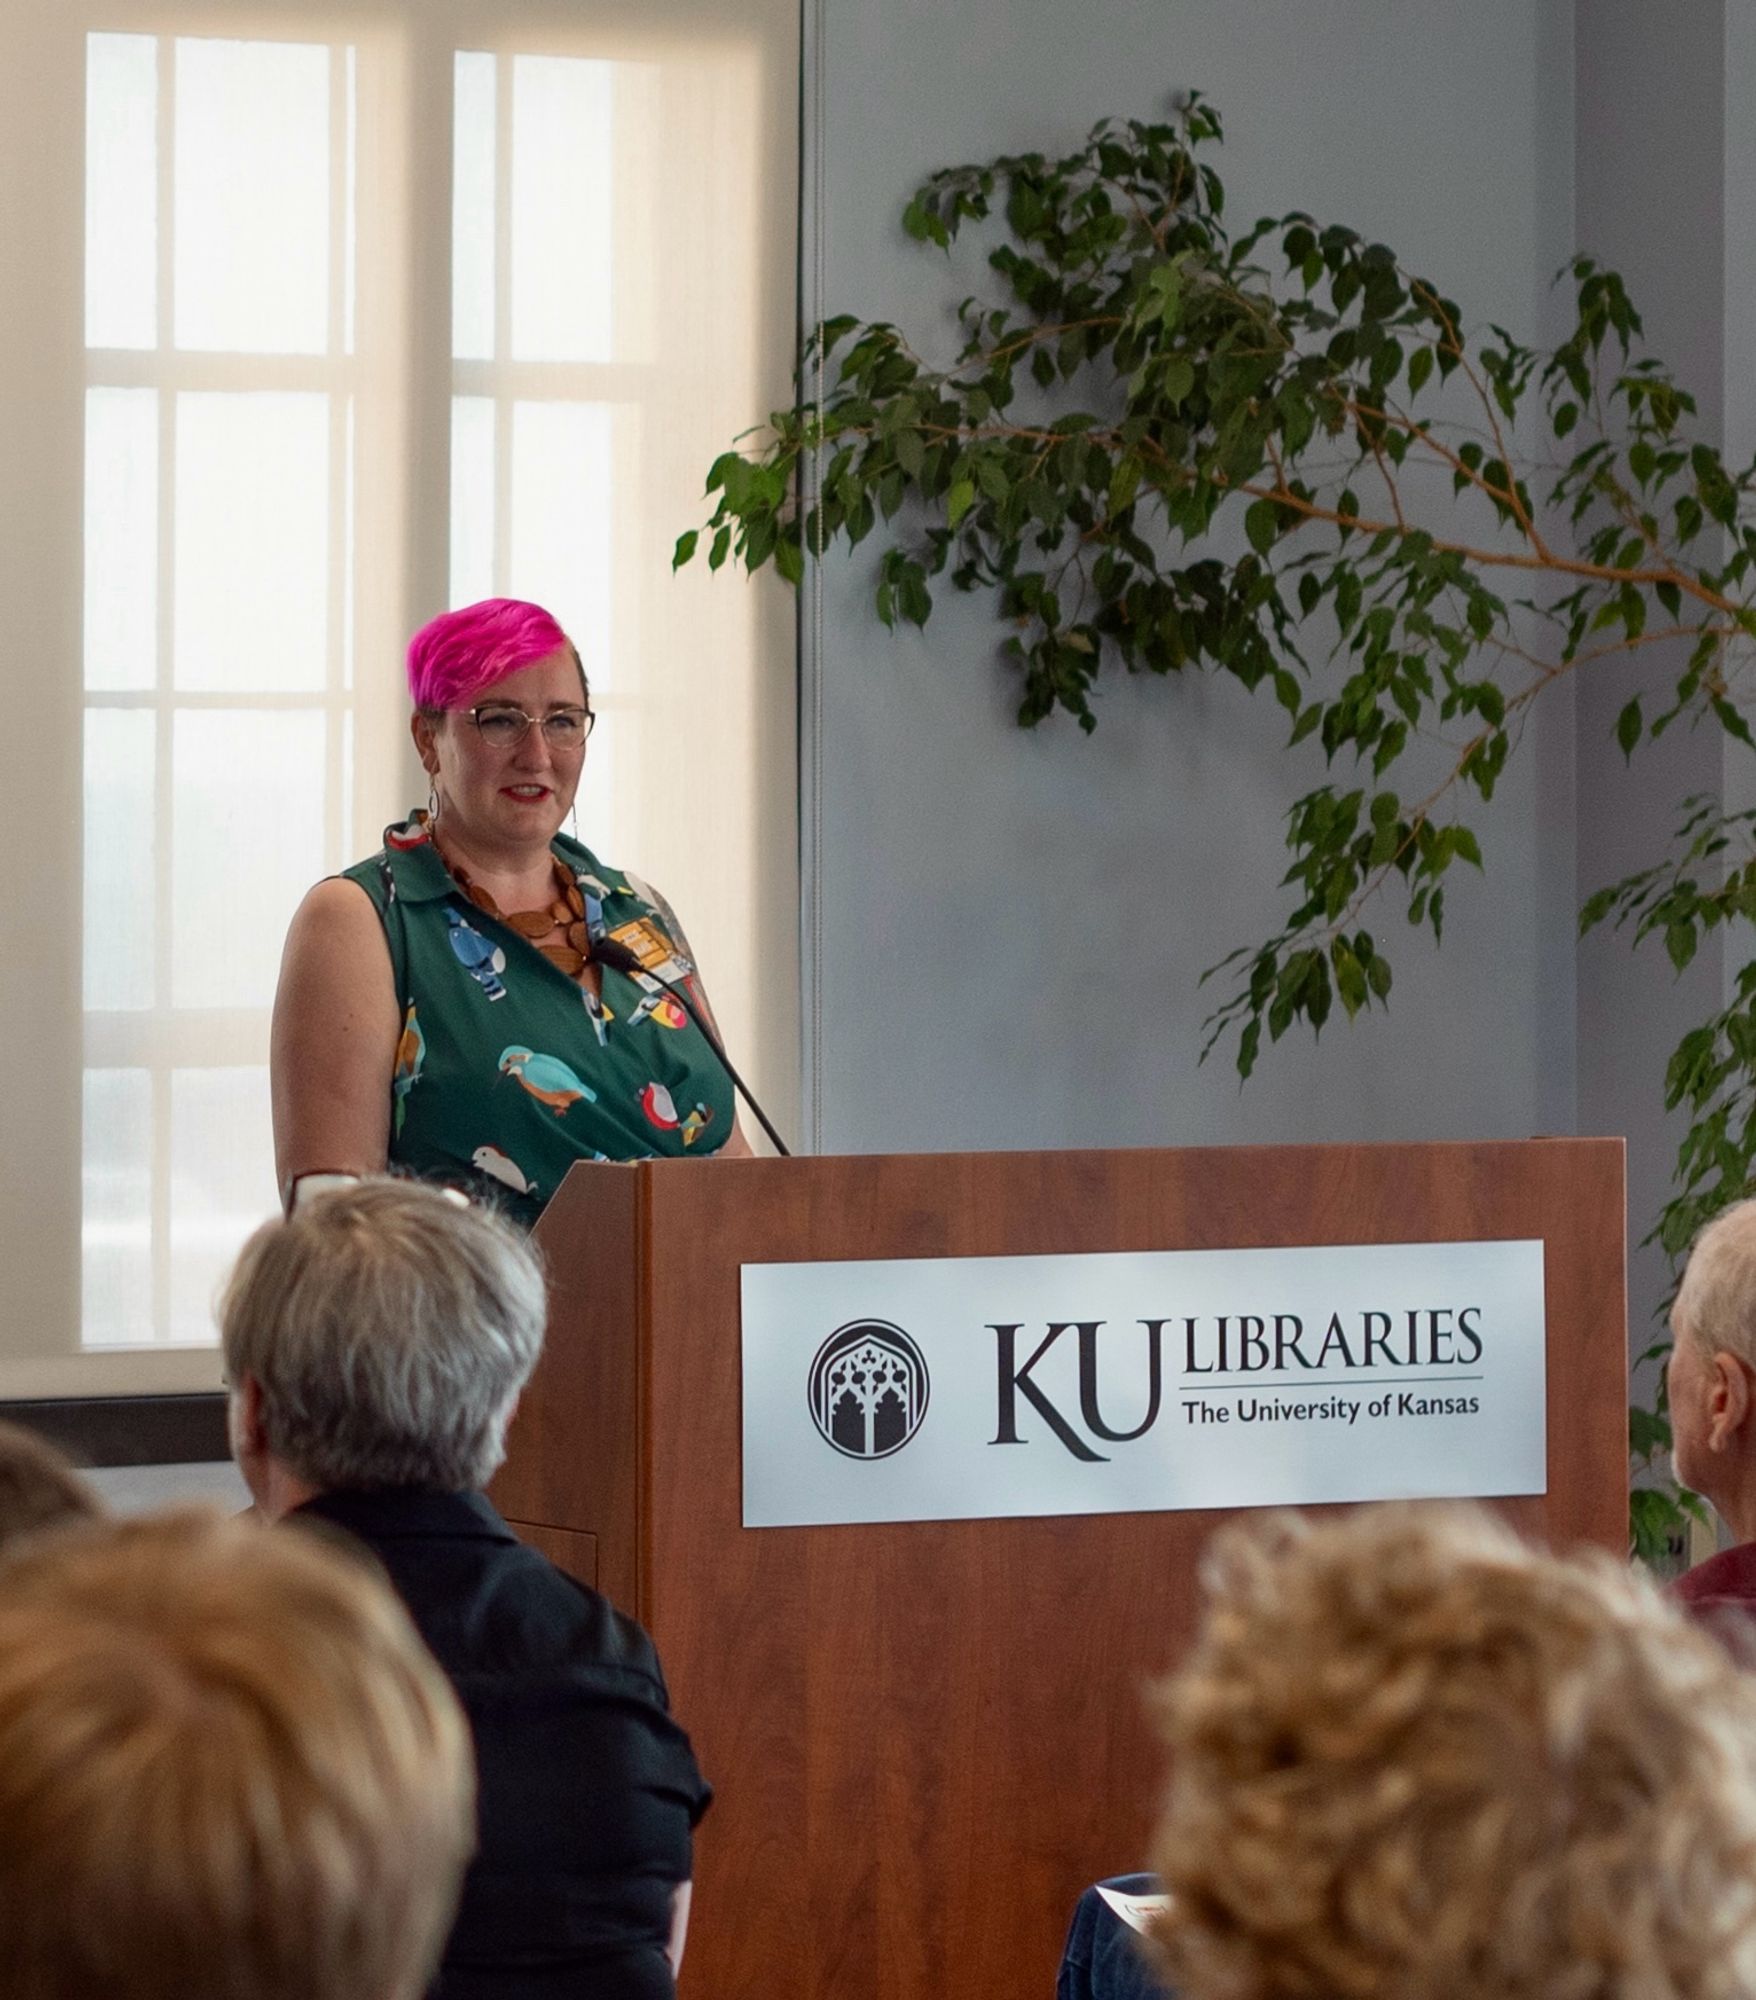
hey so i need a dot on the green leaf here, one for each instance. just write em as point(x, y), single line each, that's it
point(789, 559)
point(1350, 979)
point(1262, 525)
point(1628, 726)
point(1596, 907)
point(959, 500)
point(1647, 1433)
point(1124, 483)
point(761, 533)
point(1732, 721)
point(685, 547)
point(1176, 379)
point(1164, 284)
point(1420, 366)
point(1655, 1522)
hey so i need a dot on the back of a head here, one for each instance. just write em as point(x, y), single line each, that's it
point(228, 1771)
point(1412, 1756)
point(38, 1487)
point(390, 1330)
point(1716, 1298)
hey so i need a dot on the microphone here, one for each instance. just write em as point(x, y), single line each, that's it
point(616, 955)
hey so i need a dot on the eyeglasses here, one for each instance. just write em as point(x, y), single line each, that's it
point(503, 725)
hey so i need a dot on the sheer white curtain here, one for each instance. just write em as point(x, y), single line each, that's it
point(320, 318)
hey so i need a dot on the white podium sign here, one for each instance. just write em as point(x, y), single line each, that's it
point(931, 1389)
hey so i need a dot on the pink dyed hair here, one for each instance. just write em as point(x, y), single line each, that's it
point(456, 655)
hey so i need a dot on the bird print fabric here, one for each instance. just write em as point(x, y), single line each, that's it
point(547, 1078)
point(482, 960)
point(411, 1051)
point(507, 1069)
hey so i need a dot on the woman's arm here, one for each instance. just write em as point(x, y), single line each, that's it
point(333, 1044)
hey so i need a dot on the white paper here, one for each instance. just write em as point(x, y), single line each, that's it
point(1137, 1912)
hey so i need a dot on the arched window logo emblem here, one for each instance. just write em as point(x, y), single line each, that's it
point(868, 1389)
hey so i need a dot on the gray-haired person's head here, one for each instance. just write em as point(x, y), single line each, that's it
point(390, 1331)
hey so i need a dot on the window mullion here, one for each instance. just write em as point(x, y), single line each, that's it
point(340, 468)
point(164, 680)
point(503, 193)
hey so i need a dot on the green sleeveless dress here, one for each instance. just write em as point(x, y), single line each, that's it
point(507, 1070)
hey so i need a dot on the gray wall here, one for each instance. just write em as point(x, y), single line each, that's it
point(1009, 926)
point(1637, 178)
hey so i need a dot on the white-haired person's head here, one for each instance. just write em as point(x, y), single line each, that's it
point(229, 1770)
point(1411, 1756)
point(1712, 1376)
point(378, 1338)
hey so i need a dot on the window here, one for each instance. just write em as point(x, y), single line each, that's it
point(551, 366)
point(218, 638)
point(371, 314)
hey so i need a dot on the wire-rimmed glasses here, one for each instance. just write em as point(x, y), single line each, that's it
point(504, 725)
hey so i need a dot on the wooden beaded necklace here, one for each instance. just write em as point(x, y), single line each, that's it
point(565, 912)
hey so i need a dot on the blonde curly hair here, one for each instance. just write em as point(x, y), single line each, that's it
point(1412, 1757)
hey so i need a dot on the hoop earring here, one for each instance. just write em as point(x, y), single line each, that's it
point(432, 807)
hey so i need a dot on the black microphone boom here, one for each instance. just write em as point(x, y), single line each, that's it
point(616, 955)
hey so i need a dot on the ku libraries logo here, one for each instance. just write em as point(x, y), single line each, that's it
point(868, 1389)
point(868, 1383)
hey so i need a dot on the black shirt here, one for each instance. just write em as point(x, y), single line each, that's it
point(587, 1789)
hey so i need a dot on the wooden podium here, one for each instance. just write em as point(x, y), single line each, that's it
point(927, 1738)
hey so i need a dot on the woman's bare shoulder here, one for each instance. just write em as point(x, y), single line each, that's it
point(333, 1040)
point(336, 937)
point(336, 915)
point(337, 899)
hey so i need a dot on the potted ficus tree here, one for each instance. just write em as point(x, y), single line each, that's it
point(1137, 378)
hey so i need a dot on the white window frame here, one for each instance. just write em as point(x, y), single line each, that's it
point(399, 581)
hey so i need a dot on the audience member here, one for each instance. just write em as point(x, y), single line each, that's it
point(1411, 1757)
point(228, 1771)
point(38, 1486)
point(1713, 1404)
point(376, 1343)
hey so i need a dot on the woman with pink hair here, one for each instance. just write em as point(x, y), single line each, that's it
point(450, 1006)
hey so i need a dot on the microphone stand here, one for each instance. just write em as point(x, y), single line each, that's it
point(613, 953)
